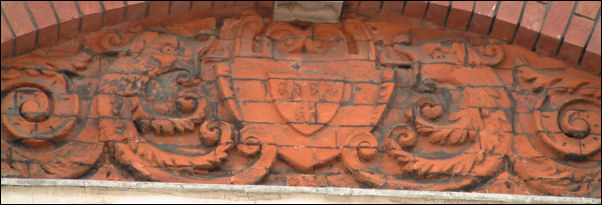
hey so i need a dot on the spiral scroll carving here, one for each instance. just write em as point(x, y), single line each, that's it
point(566, 132)
point(43, 123)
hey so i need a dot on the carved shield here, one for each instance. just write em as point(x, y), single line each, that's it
point(306, 102)
point(310, 89)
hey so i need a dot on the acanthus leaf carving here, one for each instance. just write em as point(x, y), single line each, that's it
point(563, 130)
point(300, 103)
point(447, 111)
point(460, 52)
point(70, 63)
point(42, 123)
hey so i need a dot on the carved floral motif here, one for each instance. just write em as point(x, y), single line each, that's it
point(262, 101)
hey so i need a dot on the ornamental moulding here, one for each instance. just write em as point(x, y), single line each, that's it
point(358, 103)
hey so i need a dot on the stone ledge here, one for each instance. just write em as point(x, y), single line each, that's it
point(93, 191)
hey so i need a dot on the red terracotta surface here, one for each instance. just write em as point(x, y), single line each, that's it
point(158, 9)
point(136, 10)
point(506, 21)
point(415, 9)
point(484, 11)
point(201, 5)
point(369, 8)
point(68, 17)
point(460, 14)
point(7, 39)
point(590, 59)
point(575, 39)
point(530, 24)
point(375, 101)
point(92, 15)
point(45, 21)
point(23, 27)
point(535, 25)
point(114, 12)
point(437, 12)
point(393, 6)
point(588, 9)
point(554, 27)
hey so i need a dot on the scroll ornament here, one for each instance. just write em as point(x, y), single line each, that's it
point(451, 111)
point(190, 103)
point(45, 133)
point(559, 150)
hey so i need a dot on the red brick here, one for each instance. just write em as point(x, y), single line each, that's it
point(179, 7)
point(350, 6)
point(136, 10)
point(7, 40)
point(578, 31)
point(591, 58)
point(587, 9)
point(269, 4)
point(530, 25)
point(68, 19)
point(393, 6)
point(223, 4)
point(575, 39)
point(369, 8)
point(437, 12)
point(554, 26)
point(46, 21)
point(415, 9)
point(483, 16)
point(114, 11)
point(591, 62)
point(201, 5)
point(460, 14)
point(245, 4)
point(92, 15)
point(506, 20)
point(21, 24)
point(158, 9)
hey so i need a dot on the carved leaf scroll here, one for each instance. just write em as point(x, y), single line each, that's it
point(297, 103)
point(42, 123)
point(565, 133)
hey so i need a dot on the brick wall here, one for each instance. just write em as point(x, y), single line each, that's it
point(569, 30)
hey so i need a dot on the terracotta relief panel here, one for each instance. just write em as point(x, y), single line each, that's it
point(256, 101)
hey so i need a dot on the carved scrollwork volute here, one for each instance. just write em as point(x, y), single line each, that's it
point(173, 134)
point(558, 130)
point(351, 40)
point(462, 122)
point(250, 40)
point(450, 130)
point(460, 52)
point(45, 130)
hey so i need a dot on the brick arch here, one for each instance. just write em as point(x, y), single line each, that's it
point(34, 24)
point(568, 30)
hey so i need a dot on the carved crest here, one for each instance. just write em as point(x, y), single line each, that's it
point(306, 102)
point(309, 100)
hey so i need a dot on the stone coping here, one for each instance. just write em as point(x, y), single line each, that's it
point(409, 195)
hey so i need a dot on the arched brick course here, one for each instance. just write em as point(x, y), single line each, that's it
point(568, 30)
